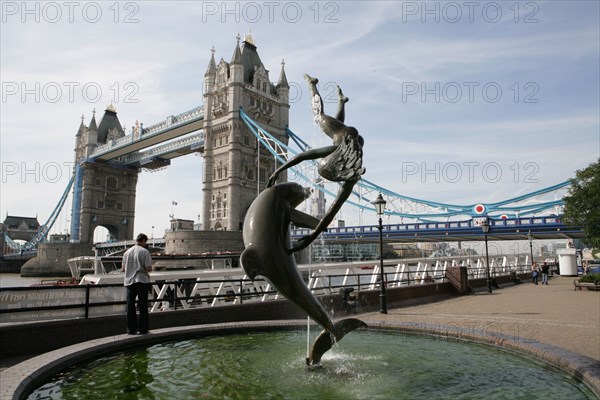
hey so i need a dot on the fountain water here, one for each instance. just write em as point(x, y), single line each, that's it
point(269, 365)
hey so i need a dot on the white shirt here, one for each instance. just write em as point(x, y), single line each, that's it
point(137, 262)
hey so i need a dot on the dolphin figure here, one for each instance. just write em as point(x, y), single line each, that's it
point(266, 235)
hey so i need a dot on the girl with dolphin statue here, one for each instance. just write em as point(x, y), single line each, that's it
point(266, 231)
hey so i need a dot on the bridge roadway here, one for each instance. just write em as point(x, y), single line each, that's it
point(500, 229)
point(172, 127)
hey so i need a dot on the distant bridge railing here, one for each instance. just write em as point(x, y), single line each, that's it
point(37, 303)
point(169, 123)
point(173, 121)
point(192, 142)
point(522, 226)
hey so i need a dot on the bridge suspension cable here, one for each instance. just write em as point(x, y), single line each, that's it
point(410, 207)
point(42, 232)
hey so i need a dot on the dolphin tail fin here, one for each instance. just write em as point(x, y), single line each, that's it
point(326, 339)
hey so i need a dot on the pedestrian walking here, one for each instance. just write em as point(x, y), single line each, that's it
point(136, 265)
point(545, 269)
point(534, 273)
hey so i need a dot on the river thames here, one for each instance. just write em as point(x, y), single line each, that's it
point(15, 280)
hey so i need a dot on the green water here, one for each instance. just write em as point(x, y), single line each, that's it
point(365, 365)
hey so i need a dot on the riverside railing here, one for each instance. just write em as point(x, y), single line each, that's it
point(36, 303)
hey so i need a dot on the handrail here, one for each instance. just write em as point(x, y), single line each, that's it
point(196, 293)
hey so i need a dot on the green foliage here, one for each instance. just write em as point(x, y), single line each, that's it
point(582, 204)
point(590, 278)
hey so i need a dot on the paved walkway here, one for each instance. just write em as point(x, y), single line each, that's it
point(554, 314)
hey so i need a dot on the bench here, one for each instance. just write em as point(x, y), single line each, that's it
point(588, 285)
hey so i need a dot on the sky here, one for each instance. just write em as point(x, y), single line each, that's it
point(458, 102)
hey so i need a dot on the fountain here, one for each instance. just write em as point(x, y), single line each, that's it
point(269, 365)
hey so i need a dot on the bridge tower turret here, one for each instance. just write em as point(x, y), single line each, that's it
point(103, 193)
point(283, 87)
point(236, 168)
point(209, 79)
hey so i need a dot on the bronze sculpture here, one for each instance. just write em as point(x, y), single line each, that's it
point(267, 240)
point(266, 231)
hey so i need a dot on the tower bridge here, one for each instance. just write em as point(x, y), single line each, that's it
point(108, 161)
point(242, 107)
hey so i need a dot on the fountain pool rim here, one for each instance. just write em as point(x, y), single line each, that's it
point(19, 380)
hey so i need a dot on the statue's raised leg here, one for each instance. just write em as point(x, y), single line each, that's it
point(328, 124)
point(342, 100)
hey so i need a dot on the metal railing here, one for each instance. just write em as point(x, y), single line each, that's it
point(37, 303)
point(170, 147)
point(171, 122)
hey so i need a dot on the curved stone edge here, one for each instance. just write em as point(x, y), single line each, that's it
point(583, 368)
point(16, 382)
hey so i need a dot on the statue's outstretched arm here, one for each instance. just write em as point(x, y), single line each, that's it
point(343, 194)
point(298, 158)
point(303, 220)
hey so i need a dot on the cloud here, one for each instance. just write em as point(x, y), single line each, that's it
point(372, 50)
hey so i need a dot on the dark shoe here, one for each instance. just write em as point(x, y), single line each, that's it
point(144, 333)
point(131, 333)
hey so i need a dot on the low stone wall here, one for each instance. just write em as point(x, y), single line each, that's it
point(39, 337)
point(481, 283)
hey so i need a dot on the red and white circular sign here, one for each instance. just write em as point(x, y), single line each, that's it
point(479, 208)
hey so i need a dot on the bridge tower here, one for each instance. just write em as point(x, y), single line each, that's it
point(103, 193)
point(236, 167)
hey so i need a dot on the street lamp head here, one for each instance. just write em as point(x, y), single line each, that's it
point(379, 204)
point(485, 226)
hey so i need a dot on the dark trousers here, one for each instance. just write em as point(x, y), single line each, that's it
point(139, 290)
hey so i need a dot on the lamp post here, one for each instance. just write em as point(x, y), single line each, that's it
point(379, 204)
point(530, 237)
point(485, 227)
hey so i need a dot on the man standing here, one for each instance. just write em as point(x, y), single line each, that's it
point(545, 271)
point(136, 265)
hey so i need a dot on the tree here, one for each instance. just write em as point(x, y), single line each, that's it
point(582, 204)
